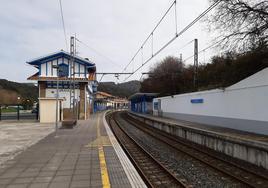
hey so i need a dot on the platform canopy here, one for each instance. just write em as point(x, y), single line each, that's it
point(142, 102)
point(137, 97)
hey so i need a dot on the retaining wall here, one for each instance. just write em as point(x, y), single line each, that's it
point(242, 106)
point(251, 151)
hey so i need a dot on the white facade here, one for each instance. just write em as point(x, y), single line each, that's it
point(46, 69)
point(48, 77)
point(241, 106)
point(47, 110)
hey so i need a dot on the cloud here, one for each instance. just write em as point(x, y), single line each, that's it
point(116, 28)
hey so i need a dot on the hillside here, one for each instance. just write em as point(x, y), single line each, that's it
point(10, 91)
point(123, 89)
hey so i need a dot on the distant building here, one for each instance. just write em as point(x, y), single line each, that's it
point(84, 71)
point(104, 101)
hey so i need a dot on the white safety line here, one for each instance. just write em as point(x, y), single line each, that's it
point(132, 174)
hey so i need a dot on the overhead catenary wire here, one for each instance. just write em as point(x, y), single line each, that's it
point(210, 46)
point(63, 25)
point(185, 45)
point(150, 35)
point(174, 38)
point(99, 53)
point(204, 49)
point(101, 77)
point(141, 77)
point(169, 42)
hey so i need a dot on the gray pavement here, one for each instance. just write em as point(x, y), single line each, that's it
point(79, 157)
point(16, 136)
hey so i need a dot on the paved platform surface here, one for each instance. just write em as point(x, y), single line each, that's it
point(16, 136)
point(79, 157)
point(219, 130)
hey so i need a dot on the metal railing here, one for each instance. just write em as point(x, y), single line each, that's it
point(17, 112)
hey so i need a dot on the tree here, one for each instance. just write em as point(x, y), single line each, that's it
point(170, 76)
point(242, 23)
point(166, 77)
point(8, 97)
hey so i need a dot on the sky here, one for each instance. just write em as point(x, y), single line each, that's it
point(113, 29)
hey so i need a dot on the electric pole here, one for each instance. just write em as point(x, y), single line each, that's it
point(195, 64)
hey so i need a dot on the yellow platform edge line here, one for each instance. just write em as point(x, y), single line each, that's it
point(103, 166)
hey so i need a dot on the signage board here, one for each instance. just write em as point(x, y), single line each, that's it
point(197, 101)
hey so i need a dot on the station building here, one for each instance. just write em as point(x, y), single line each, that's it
point(46, 77)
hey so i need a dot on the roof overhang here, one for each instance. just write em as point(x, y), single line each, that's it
point(60, 54)
point(36, 77)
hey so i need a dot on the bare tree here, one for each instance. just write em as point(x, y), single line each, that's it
point(165, 77)
point(243, 24)
point(8, 97)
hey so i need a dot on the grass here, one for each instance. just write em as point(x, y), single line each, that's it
point(5, 110)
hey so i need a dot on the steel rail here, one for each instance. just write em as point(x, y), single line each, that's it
point(207, 151)
point(147, 182)
point(142, 151)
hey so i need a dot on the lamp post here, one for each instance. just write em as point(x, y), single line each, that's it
point(18, 108)
point(57, 97)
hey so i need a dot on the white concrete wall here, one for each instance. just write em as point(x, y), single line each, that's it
point(242, 106)
point(48, 110)
point(63, 93)
point(43, 69)
point(82, 71)
point(249, 103)
point(76, 69)
point(49, 68)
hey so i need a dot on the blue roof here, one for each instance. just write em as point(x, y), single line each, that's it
point(57, 55)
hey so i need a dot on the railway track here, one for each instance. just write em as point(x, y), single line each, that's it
point(152, 171)
point(242, 175)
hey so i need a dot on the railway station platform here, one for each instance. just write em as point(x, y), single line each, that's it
point(238, 134)
point(242, 145)
point(85, 156)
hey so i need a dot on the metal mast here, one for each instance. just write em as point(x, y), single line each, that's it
point(195, 64)
point(72, 72)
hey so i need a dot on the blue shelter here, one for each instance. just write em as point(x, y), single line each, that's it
point(142, 102)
